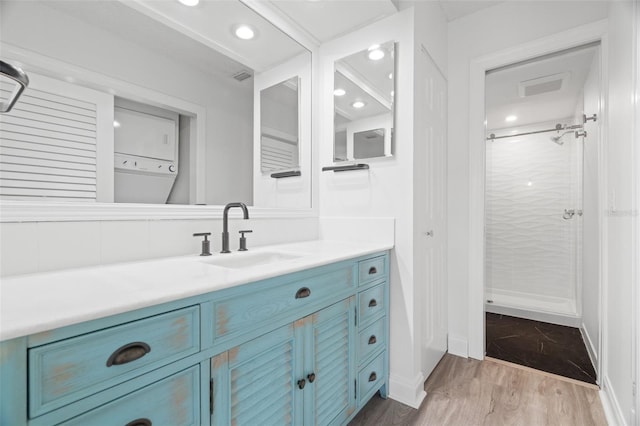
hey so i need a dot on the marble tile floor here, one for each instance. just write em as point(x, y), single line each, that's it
point(543, 346)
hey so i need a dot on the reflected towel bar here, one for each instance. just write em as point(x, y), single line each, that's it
point(290, 173)
point(359, 166)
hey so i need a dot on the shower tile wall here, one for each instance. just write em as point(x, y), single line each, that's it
point(532, 253)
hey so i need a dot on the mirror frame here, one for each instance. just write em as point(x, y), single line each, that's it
point(45, 211)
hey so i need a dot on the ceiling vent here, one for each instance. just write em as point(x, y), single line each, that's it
point(538, 86)
point(242, 75)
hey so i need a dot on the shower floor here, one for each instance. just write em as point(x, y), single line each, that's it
point(556, 349)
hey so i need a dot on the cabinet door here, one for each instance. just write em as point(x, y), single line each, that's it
point(331, 358)
point(256, 383)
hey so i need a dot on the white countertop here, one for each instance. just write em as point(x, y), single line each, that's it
point(39, 302)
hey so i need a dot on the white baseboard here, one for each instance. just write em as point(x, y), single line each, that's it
point(612, 410)
point(408, 392)
point(591, 350)
point(458, 346)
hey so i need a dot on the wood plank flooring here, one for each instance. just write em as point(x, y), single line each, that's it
point(463, 392)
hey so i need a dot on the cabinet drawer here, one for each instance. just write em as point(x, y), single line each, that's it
point(371, 270)
point(370, 378)
point(371, 303)
point(65, 371)
point(371, 340)
point(171, 401)
point(244, 313)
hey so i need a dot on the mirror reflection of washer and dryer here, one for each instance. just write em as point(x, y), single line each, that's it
point(145, 153)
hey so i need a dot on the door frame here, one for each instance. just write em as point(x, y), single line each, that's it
point(593, 32)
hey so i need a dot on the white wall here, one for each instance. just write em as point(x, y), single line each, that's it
point(386, 189)
point(591, 215)
point(229, 104)
point(493, 29)
point(621, 215)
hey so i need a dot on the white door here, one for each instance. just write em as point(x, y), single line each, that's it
point(431, 99)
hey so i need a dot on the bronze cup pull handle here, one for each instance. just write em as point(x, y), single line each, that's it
point(301, 383)
point(373, 303)
point(128, 353)
point(372, 340)
point(139, 422)
point(311, 377)
point(303, 292)
point(373, 377)
point(373, 270)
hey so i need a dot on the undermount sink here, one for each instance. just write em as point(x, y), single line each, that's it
point(247, 260)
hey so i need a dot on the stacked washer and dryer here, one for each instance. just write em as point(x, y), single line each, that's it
point(145, 153)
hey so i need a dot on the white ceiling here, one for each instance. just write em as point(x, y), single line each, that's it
point(503, 99)
point(325, 20)
point(200, 36)
point(454, 9)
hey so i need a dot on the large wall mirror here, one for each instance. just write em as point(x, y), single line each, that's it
point(153, 102)
point(364, 104)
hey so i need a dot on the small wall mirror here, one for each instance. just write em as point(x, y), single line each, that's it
point(364, 85)
point(279, 127)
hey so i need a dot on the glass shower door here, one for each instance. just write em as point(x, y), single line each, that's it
point(533, 222)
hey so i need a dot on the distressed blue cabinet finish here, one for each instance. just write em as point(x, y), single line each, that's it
point(62, 372)
point(254, 383)
point(171, 401)
point(239, 313)
point(301, 373)
point(305, 348)
point(331, 361)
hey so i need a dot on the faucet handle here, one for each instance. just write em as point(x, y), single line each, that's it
point(206, 244)
point(243, 239)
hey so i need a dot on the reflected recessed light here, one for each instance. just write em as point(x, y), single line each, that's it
point(339, 92)
point(116, 123)
point(510, 118)
point(393, 93)
point(390, 76)
point(358, 104)
point(529, 183)
point(189, 2)
point(514, 131)
point(244, 32)
point(375, 53)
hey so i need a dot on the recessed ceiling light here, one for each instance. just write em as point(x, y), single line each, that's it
point(244, 32)
point(510, 118)
point(357, 104)
point(116, 123)
point(375, 53)
point(393, 93)
point(189, 2)
point(339, 92)
point(390, 76)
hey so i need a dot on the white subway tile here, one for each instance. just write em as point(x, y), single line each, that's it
point(18, 248)
point(68, 245)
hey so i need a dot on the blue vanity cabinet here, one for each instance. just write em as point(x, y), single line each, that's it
point(302, 373)
point(170, 401)
point(304, 348)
